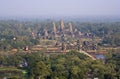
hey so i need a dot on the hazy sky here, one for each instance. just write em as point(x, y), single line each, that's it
point(59, 7)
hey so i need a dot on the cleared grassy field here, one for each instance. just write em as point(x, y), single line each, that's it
point(11, 72)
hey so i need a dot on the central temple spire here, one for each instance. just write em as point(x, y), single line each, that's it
point(62, 25)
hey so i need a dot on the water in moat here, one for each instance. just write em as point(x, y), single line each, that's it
point(100, 56)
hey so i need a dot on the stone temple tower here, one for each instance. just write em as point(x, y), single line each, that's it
point(62, 26)
point(46, 34)
point(70, 29)
point(54, 28)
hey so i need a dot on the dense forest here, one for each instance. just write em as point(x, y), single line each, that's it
point(72, 65)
